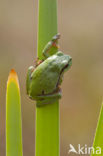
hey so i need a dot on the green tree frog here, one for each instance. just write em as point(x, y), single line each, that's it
point(43, 81)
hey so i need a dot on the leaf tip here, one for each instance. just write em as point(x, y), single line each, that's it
point(13, 77)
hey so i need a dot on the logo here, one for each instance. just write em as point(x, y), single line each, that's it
point(84, 149)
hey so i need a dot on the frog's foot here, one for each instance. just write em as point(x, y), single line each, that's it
point(55, 45)
point(38, 62)
point(56, 37)
point(54, 41)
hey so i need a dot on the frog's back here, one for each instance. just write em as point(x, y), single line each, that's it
point(45, 78)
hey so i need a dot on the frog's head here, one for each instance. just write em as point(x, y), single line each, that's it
point(65, 62)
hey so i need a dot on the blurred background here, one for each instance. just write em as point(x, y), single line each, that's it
point(81, 26)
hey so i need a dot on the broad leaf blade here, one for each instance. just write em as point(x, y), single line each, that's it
point(13, 117)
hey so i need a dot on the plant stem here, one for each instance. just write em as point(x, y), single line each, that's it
point(47, 130)
point(47, 26)
point(47, 116)
point(13, 117)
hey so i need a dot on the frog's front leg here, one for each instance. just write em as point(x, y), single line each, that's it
point(50, 44)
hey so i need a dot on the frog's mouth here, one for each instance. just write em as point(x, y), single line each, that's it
point(67, 66)
point(64, 68)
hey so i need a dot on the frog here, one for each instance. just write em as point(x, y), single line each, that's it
point(44, 80)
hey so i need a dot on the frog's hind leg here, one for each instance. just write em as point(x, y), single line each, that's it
point(28, 79)
point(50, 44)
point(48, 99)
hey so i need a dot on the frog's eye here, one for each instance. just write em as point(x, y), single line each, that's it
point(59, 53)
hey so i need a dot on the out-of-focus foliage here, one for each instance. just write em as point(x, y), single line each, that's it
point(81, 26)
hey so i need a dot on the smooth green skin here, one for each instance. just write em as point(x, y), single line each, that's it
point(43, 82)
point(13, 121)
